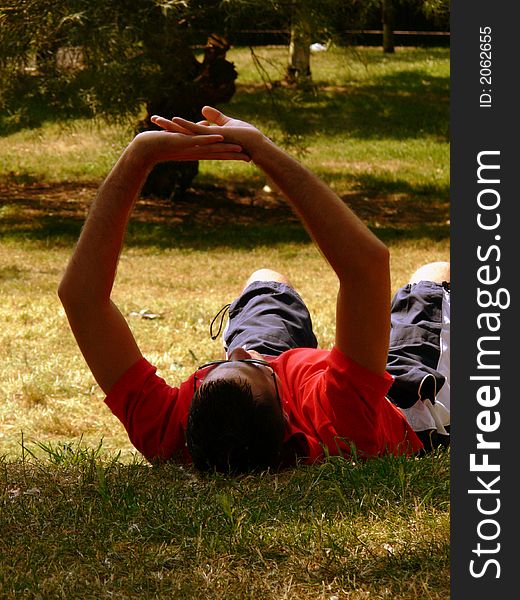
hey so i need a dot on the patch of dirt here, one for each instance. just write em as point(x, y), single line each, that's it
point(213, 205)
point(201, 205)
point(399, 210)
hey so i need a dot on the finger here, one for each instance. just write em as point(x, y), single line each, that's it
point(168, 125)
point(205, 123)
point(221, 147)
point(190, 126)
point(179, 129)
point(161, 122)
point(212, 138)
point(223, 156)
point(214, 115)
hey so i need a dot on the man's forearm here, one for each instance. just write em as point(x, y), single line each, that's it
point(359, 259)
point(346, 242)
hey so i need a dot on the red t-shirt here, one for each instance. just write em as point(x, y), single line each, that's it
point(329, 399)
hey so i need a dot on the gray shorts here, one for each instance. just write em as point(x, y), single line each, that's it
point(269, 317)
point(419, 359)
point(415, 342)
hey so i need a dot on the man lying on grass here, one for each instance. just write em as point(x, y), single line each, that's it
point(277, 399)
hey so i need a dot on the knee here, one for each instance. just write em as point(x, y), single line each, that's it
point(267, 275)
point(438, 271)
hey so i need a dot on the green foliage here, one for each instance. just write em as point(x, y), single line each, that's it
point(114, 58)
point(438, 10)
point(98, 57)
point(328, 18)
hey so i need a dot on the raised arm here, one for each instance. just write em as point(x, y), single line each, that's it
point(101, 331)
point(359, 258)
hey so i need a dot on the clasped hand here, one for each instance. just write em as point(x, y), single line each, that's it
point(226, 139)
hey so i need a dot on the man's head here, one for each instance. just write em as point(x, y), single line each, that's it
point(236, 421)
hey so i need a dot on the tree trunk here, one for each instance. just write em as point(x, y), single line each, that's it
point(388, 18)
point(211, 83)
point(299, 65)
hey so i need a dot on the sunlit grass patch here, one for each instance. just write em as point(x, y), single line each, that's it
point(70, 149)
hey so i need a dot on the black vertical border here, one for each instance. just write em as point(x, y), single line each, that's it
point(475, 129)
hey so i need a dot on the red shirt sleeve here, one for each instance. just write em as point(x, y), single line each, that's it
point(361, 412)
point(153, 413)
point(335, 402)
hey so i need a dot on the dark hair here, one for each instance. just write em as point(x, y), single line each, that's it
point(230, 432)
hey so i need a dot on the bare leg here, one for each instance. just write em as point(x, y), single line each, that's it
point(267, 275)
point(434, 271)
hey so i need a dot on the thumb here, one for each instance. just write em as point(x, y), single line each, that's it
point(214, 115)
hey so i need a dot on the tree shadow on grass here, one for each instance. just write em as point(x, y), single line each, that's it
point(210, 216)
point(27, 109)
point(207, 217)
point(408, 104)
point(398, 106)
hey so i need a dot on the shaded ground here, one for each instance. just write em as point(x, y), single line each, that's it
point(38, 210)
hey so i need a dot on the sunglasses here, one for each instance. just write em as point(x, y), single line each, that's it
point(198, 379)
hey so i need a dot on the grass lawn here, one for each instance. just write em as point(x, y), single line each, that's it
point(81, 516)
